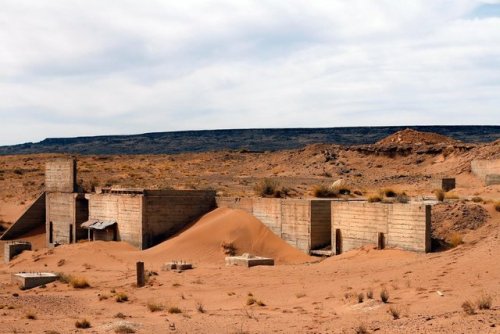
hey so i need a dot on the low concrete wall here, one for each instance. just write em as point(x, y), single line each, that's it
point(32, 218)
point(405, 226)
point(14, 248)
point(487, 170)
point(303, 223)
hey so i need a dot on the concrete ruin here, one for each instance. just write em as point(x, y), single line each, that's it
point(32, 280)
point(302, 223)
point(248, 260)
point(487, 170)
point(14, 248)
point(405, 226)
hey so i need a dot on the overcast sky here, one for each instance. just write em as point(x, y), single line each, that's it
point(71, 68)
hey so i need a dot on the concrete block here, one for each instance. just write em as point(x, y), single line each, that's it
point(176, 266)
point(32, 280)
point(14, 248)
point(248, 260)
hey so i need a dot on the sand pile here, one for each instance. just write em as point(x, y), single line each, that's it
point(456, 217)
point(413, 137)
point(202, 242)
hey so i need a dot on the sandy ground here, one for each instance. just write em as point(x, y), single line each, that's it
point(301, 294)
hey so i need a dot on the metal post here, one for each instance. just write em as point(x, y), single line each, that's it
point(141, 281)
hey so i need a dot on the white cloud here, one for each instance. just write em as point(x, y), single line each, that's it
point(72, 68)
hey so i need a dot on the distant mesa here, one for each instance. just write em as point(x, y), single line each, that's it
point(413, 137)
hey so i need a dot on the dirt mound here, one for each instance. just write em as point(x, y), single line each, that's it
point(413, 137)
point(202, 242)
point(456, 217)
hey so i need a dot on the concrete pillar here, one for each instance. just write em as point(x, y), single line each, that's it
point(141, 279)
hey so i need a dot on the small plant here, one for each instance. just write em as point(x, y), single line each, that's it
point(322, 191)
point(395, 312)
point(476, 199)
point(497, 206)
point(31, 316)
point(84, 323)
point(121, 297)
point(388, 192)
point(268, 188)
point(124, 329)
point(176, 285)
point(63, 278)
point(469, 307)
point(484, 302)
point(384, 295)
point(361, 329)
point(120, 315)
point(361, 297)
point(155, 307)
point(369, 294)
point(102, 297)
point(228, 248)
point(79, 283)
point(260, 303)
point(251, 301)
point(200, 308)
point(402, 198)
point(439, 193)
point(455, 239)
point(174, 310)
point(374, 199)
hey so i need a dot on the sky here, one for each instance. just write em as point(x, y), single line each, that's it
point(97, 67)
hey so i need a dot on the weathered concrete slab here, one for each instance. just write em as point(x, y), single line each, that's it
point(248, 261)
point(32, 280)
point(176, 266)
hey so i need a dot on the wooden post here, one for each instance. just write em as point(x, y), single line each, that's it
point(141, 281)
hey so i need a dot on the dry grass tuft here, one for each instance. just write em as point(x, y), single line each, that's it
point(174, 310)
point(384, 295)
point(394, 312)
point(388, 192)
point(200, 308)
point(455, 239)
point(121, 297)
point(374, 199)
point(361, 329)
point(228, 248)
point(30, 316)
point(251, 301)
point(369, 293)
point(79, 283)
point(361, 297)
point(439, 194)
point(322, 191)
point(270, 188)
point(469, 307)
point(477, 199)
point(84, 323)
point(484, 302)
point(124, 329)
point(155, 307)
point(497, 206)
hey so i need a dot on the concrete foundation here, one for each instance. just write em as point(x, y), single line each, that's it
point(248, 261)
point(15, 248)
point(32, 280)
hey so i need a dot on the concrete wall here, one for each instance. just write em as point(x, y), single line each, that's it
point(405, 226)
point(60, 175)
point(31, 219)
point(65, 212)
point(487, 170)
point(12, 249)
point(166, 212)
point(125, 209)
point(303, 223)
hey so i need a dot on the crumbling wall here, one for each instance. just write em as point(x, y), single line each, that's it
point(166, 212)
point(487, 170)
point(60, 175)
point(31, 219)
point(125, 209)
point(406, 226)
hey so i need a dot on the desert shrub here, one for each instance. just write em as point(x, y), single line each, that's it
point(174, 310)
point(395, 312)
point(251, 301)
point(63, 278)
point(469, 307)
point(357, 192)
point(84, 323)
point(124, 329)
point(402, 198)
point(374, 199)
point(476, 199)
point(120, 315)
point(361, 297)
point(484, 302)
point(200, 308)
point(31, 316)
point(228, 248)
point(260, 303)
point(322, 191)
point(155, 307)
point(268, 188)
point(388, 192)
point(384, 295)
point(497, 206)
point(455, 239)
point(361, 329)
point(439, 193)
point(121, 297)
point(79, 283)
point(369, 294)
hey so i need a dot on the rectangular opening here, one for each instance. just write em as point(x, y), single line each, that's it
point(338, 241)
point(51, 233)
point(381, 241)
point(70, 233)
